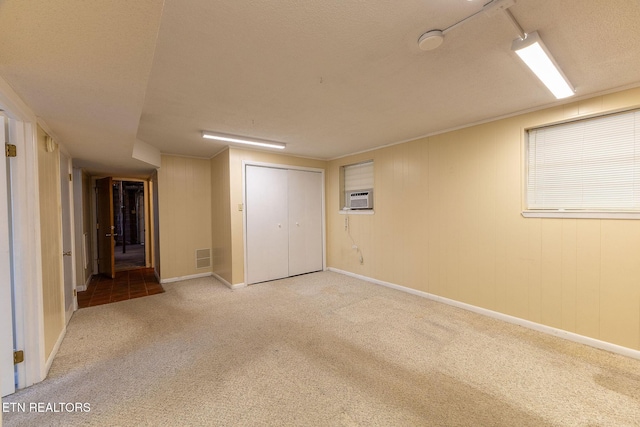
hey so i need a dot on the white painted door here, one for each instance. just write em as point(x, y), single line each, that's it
point(267, 225)
point(67, 258)
point(7, 369)
point(305, 222)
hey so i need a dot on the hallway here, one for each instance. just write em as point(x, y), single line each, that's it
point(127, 285)
point(132, 259)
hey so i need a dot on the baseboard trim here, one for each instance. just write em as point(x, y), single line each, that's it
point(227, 284)
point(571, 336)
point(84, 287)
point(54, 352)
point(191, 276)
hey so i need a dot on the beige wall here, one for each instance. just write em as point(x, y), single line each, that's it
point(221, 216)
point(236, 157)
point(448, 221)
point(225, 220)
point(51, 244)
point(184, 205)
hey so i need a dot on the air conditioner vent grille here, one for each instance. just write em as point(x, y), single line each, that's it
point(360, 199)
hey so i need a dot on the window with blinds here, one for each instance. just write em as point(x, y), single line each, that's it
point(586, 165)
point(358, 184)
point(358, 176)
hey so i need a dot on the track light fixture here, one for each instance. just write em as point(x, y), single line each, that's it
point(535, 54)
point(528, 47)
point(242, 140)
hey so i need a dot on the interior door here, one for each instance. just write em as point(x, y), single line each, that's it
point(106, 242)
point(7, 368)
point(67, 261)
point(305, 222)
point(267, 224)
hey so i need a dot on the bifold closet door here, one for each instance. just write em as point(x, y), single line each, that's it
point(305, 222)
point(267, 211)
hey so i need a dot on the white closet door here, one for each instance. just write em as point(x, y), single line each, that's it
point(267, 224)
point(305, 222)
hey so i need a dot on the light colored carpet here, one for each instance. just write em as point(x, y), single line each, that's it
point(322, 350)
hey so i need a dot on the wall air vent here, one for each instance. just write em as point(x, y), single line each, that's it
point(360, 199)
point(203, 258)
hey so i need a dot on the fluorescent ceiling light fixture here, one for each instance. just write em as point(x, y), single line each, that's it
point(241, 140)
point(535, 54)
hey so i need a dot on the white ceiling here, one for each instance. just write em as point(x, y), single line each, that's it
point(328, 78)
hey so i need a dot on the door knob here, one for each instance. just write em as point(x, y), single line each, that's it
point(107, 235)
point(67, 253)
point(279, 225)
point(298, 224)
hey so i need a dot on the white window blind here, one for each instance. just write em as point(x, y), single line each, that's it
point(591, 164)
point(358, 176)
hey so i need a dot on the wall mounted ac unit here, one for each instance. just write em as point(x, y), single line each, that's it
point(359, 199)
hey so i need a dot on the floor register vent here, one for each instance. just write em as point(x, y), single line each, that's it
point(203, 258)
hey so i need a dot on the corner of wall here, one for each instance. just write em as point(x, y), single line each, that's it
point(221, 257)
point(184, 207)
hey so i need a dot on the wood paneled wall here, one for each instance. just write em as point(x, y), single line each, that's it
point(51, 243)
point(221, 216)
point(448, 221)
point(184, 197)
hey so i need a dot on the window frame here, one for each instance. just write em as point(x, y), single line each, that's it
point(342, 184)
point(569, 212)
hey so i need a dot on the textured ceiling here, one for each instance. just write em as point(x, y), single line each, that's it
point(82, 66)
point(328, 78)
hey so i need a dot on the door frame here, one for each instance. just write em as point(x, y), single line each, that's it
point(26, 247)
point(149, 235)
point(69, 206)
point(246, 163)
point(7, 322)
point(148, 206)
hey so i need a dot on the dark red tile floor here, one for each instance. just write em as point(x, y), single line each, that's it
point(127, 285)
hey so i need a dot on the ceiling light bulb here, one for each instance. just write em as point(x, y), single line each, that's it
point(535, 54)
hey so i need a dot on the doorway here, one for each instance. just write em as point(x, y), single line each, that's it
point(68, 264)
point(129, 222)
point(121, 211)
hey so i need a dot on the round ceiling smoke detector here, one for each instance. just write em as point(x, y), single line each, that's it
point(430, 40)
